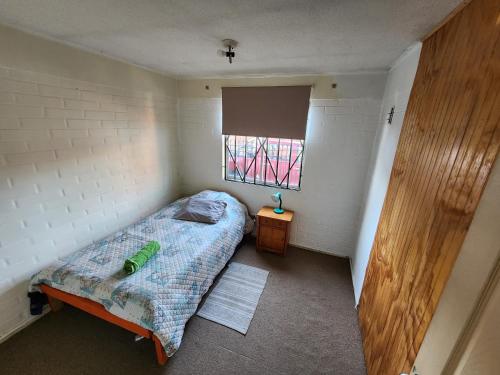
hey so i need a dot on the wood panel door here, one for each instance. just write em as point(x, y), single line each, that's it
point(448, 144)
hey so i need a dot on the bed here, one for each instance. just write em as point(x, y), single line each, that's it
point(158, 300)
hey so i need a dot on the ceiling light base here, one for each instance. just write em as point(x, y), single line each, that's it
point(230, 43)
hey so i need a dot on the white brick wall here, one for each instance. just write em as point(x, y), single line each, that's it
point(340, 134)
point(78, 161)
point(397, 94)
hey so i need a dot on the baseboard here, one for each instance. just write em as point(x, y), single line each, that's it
point(24, 324)
point(356, 303)
point(319, 251)
point(312, 249)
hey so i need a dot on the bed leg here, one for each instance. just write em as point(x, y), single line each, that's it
point(55, 304)
point(161, 356)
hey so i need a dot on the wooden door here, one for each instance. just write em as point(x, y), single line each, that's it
point(448, 144)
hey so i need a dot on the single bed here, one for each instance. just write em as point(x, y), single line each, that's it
point(157, 301)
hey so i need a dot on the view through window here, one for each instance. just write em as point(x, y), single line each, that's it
point(275, 162)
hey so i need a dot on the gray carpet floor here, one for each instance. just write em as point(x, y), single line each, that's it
point(305, 323)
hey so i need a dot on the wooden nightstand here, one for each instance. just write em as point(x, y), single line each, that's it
point(273, 230)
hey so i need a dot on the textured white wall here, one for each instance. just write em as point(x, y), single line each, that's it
point(78, 160)
point(397, 93)
point(340, 135)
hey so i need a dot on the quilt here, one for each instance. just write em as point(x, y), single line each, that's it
point(165, 293)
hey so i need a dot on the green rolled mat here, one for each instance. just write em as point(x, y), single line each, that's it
point(139, 259)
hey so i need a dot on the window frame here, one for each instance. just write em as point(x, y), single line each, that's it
point(263, 144)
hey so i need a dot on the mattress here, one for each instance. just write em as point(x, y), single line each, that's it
point(165, 293)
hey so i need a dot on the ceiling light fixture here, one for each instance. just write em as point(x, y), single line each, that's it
point(230, 44)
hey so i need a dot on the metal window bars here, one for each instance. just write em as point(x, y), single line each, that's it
point(274, 162)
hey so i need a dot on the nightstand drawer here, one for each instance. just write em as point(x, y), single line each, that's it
point(273, 223)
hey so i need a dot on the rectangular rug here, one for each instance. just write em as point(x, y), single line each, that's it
point(234, 299)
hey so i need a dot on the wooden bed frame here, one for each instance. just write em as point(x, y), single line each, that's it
point(57, 296)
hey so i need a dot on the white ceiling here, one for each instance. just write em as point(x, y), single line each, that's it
point(181, 37)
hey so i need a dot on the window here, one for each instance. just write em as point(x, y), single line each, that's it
point(263, 134)
point(275, 162)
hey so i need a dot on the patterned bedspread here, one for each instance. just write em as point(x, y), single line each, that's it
point(165, 293)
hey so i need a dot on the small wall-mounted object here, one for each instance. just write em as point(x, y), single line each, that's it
point(334, 85)
point(391, 115)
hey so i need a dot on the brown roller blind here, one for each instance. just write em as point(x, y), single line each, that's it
point(278, 111)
